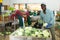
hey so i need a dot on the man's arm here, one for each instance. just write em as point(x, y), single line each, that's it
point(51, 17)
point(51, 21)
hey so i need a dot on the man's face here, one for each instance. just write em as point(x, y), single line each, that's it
point(43, 7)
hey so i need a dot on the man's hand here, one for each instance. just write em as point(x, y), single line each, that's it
point(49, 25)
point(45, 24)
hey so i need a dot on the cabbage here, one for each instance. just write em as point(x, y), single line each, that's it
point(46, 33)
point(28, 28)
point(33, 35)
point(40, 36)
point(1, 34)
point(20, 33)
point(33, 32)
point(36, 33)
point(21, 30)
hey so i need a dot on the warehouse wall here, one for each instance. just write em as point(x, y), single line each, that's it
point(6, 2)
point(51, 4)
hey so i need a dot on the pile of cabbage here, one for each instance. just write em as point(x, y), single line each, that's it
point(33, 32)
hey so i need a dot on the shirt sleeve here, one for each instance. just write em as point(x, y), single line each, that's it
point(51, 17)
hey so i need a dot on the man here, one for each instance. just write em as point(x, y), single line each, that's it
point(18, 15)
point(48, 17)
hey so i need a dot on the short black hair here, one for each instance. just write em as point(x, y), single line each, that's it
point(43, 4)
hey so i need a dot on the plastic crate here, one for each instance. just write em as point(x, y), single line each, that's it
point(11, 37)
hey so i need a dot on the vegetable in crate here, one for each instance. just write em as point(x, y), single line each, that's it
point(1, 34)
point(33, 32)
point(46, 33)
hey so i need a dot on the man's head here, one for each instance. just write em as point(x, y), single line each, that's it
point(43, 6)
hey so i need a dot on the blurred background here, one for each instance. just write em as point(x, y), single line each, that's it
point(9, 23)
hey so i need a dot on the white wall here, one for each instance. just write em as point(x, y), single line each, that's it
point(6, 2)
point(51, 4)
